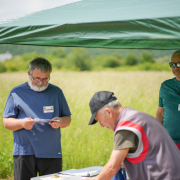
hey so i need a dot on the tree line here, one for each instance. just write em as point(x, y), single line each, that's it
point(80, 59)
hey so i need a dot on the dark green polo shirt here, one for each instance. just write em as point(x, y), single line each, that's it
point(169, 99)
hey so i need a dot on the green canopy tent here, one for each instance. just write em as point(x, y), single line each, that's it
point(138, 24)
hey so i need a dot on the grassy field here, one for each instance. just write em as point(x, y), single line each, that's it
point(84, 145)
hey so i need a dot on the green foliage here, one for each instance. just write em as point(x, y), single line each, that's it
point(131, 59)
point(30, 56)
point(147, 57)
point(10, 66)
point(80, 59)
point(107, 61)
point(58, 63)
point(58, 52)
point(111, 62)
point(117, 56)
point(18, 63)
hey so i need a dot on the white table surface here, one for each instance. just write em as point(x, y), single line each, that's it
point(72, 174)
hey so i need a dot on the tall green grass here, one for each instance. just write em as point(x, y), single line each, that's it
point(83, 145)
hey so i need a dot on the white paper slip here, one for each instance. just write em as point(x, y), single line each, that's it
point(57, 177)
point(62, 178)
point(45, 120)
point(84, 172)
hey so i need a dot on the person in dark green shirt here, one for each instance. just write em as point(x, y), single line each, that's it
point(168, 112)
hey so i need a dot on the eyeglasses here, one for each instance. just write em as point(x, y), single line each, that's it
point(172, 65)
point(44, 80)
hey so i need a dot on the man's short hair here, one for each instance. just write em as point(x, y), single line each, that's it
point(113, 105)
point(40, 63)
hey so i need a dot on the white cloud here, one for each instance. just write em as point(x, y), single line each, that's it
point(16, 8)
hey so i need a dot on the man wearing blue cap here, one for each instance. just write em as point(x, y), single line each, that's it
point(141, 143)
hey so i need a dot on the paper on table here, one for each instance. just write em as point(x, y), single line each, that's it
point(61, 178)
point(45, 120)
point(84, 172)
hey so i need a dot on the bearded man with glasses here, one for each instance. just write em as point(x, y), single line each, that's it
point(168, 112)
point(35, 111)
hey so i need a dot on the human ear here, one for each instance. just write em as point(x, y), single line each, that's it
point(108, 112)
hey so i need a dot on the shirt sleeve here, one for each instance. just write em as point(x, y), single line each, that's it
point(10, 108)
point(125, 139)
point(65, 111)
point(160, 99)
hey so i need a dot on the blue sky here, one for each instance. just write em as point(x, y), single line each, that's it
point(10, 9)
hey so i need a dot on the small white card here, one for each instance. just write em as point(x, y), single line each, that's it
point(48, 109)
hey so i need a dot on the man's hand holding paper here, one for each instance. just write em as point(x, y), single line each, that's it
point(61, 122)
point(55, 123)
point(28, 123)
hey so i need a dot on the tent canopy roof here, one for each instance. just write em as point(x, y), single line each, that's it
point(150, 24)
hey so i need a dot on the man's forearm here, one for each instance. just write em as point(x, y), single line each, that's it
point(107, 172)
point(12, 124)
point(113, 165)
point(160, 114)
point(17, 124)
point(159, 117)
point(65, 121)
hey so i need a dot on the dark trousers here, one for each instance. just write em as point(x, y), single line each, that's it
point(26, 167)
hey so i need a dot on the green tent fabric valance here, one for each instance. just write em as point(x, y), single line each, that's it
point(136, 24)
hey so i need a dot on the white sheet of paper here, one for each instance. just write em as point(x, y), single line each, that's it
point(45, 120)
point(84, 172)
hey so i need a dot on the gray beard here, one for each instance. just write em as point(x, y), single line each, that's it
point(35, 88)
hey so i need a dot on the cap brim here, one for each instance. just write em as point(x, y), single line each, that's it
point(92, 120)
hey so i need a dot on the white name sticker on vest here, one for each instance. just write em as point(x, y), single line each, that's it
point(179, 107)
point(48, 109)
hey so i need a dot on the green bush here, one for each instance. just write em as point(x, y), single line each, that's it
point(131, 59)
point(107, 61)
point(78, 59)
point(146, 57)
point(111, 62)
